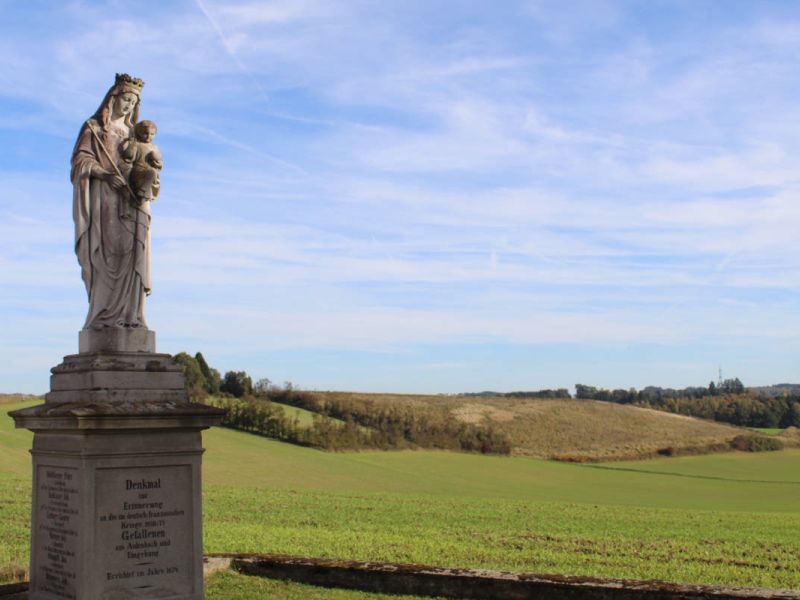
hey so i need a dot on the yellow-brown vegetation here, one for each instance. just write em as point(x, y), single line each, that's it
point(574, 430)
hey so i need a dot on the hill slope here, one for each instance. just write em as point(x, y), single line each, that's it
point(572, 429)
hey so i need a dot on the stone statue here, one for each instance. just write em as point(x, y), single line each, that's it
point(144, 160)
point(114, 175)
point(117, 433)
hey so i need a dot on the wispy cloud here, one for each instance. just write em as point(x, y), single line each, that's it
point(250, 13)
point(383, 177)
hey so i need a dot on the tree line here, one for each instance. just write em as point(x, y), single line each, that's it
point(263, 417)
point(203, 381)
point(559, 393)
point(352, 423)
point(729, 402)
point(341, 424)
point(399, 426)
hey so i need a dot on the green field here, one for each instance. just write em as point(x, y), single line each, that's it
point(305, 418)
point(729, 518)
point(232, 586)
point(768, 430)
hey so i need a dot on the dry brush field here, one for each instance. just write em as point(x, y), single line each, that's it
point(573, 429)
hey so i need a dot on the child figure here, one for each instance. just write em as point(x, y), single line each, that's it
point(144, 160)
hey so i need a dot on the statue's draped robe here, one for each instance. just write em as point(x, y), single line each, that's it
point(112, 237)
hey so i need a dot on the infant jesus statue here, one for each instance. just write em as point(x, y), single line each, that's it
point(144, 161)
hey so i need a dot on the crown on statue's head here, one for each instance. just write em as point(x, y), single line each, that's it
point(129, 82)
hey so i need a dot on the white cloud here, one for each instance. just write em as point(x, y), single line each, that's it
point(564, 24)
point(350, 175)
point(254, 14)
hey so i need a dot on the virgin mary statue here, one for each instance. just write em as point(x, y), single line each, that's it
point(112, 229)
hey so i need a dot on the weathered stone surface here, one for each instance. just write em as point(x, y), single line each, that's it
point(151, 362)
point(111, 395)
point(125, 377)
point(116, 476)
point(14, 591)
point(112, 219)
point(116, 416)
point(480, 584)
point(121, 380)
point(113, 339)
point(458, 583)
point(116, 447)
point(216, 564)
point(117, 503)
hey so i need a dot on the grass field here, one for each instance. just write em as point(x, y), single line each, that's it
point(572, 429)
point(768, 430)
point(729, 518)
point(232, 586)
point(304, 417)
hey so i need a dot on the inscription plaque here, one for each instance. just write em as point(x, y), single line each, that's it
point(56, 530)
point(144, 520)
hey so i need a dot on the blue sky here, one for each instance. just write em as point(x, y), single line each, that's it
point(432, 195)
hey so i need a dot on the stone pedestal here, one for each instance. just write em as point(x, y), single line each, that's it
point(116, 481)
point(116, 340)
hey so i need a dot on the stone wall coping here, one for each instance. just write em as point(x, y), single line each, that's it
point(116, 415)
point(457, 583)
point(424, 580)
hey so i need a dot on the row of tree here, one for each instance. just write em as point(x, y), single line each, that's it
point(203, 381)
point(347, 422)
point(337, 425)
point(398, 426)
point(653, 394)
point(729, 402)
point(262, 417)
point(559, 393)
point(746, 410)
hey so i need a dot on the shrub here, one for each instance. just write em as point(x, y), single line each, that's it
point(237, 383)
point(574, 458)
point(756, 443)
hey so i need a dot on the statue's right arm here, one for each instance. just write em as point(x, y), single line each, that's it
point(84, 161)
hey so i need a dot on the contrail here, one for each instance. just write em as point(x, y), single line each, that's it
point(247, 148)
point(251, 76)
point(229, 49)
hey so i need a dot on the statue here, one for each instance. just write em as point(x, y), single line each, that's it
point(114, 175)
point(117, 425)
point(144, 161)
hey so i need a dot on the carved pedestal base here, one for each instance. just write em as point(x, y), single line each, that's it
point(116, 484)
point(116, 377)
point(112, 339)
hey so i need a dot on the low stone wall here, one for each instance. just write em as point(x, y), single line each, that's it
point(478, 584)
point(456, 583)
point(14, 591)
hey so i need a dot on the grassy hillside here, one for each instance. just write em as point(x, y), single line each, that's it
point(726, 518)
point(304, 417)
point(283, 466)
point(572, 429)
